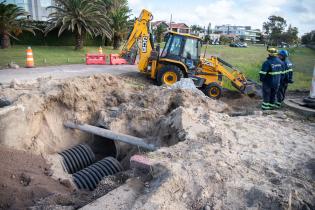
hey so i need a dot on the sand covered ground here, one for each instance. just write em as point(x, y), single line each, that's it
point(223, 154)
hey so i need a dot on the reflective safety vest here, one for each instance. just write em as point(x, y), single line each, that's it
point(271, 71)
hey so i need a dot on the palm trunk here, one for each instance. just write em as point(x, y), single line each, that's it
point(116, 42)
point(79, 41)
point(5, 40)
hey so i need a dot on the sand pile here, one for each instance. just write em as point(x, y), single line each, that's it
point(24, 178)
point(37, 125)
point(206, 156)
point(259, 162)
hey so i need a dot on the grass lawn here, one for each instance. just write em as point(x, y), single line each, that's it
point(249, 61)
point(47, 56)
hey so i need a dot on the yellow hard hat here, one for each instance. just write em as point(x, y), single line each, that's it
point(273, 51)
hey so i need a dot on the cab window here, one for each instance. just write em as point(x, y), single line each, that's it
point(175, 46)
point(191, 49)
point(168, 42)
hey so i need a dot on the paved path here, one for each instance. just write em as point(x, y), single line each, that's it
point(64, 71)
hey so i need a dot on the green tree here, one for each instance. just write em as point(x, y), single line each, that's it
point(309, 38)
point(119, 14)
point(225, 39)
point(209, 30)
point(81, 17)
point(160, 29)
point(291, 35)
point(274, 29)
point(207, 39)
point(13, 20)
point(196, 29)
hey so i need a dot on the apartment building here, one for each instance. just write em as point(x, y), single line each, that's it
point(242, 32)
point(36, 8)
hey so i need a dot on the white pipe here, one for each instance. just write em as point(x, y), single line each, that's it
point(111, 135)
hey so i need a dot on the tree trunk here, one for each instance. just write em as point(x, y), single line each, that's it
point(116, 42)
point(5, 40)
point(79, 41)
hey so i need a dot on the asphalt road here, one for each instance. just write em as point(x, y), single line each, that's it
point(63, 71)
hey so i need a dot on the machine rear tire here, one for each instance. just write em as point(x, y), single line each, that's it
point(168, 75)
point(213, 90)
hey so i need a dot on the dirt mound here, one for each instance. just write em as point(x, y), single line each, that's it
point(24, 179)
point(241, 103)
point(38, 125)
point(206, 156)
point(227, 163)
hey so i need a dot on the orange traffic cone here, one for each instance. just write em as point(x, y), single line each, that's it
point(29, 58)
point(100, 50)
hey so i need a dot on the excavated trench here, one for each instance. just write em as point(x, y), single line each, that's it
point(98, 156)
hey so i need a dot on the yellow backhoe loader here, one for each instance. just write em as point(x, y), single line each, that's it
point(180, 58)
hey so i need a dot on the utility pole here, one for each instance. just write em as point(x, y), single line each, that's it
point(171, 22)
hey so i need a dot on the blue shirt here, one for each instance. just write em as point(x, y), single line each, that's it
point(271, 71)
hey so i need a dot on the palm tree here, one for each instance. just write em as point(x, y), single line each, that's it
point(81, 17)
point(160, 30)
point(119, 15)
point(13, 20)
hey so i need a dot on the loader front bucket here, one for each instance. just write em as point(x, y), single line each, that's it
point(252, 89)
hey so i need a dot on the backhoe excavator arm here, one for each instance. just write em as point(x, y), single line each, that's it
point(139, 41)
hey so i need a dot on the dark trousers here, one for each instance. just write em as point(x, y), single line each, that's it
point(269, 96)
point(281, 92)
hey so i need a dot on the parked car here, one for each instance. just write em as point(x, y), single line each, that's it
point(240, 44)
point(284, 45)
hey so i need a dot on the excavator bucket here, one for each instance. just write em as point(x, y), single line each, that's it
point(252, 89)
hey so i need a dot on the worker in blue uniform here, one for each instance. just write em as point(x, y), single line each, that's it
point(270, 76)
point(286, 76)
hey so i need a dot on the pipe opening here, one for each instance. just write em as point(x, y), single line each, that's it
point(103, 147)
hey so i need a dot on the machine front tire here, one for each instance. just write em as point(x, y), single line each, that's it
point(213, 90)
point(168, 75)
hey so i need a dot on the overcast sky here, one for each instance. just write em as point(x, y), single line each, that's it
point(299, 13)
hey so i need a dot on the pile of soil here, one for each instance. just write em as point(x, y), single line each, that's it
point(206, 157)
point(24, 178)
point(37, 124)
point(260, 162)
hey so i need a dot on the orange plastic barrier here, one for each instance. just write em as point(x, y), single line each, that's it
point(115, 59)
point(95, 59)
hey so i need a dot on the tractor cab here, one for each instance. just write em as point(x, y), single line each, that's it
point(184, 48)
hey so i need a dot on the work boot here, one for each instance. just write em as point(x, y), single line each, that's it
point(265, 106)
point(278, 105)
point(273, 106)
